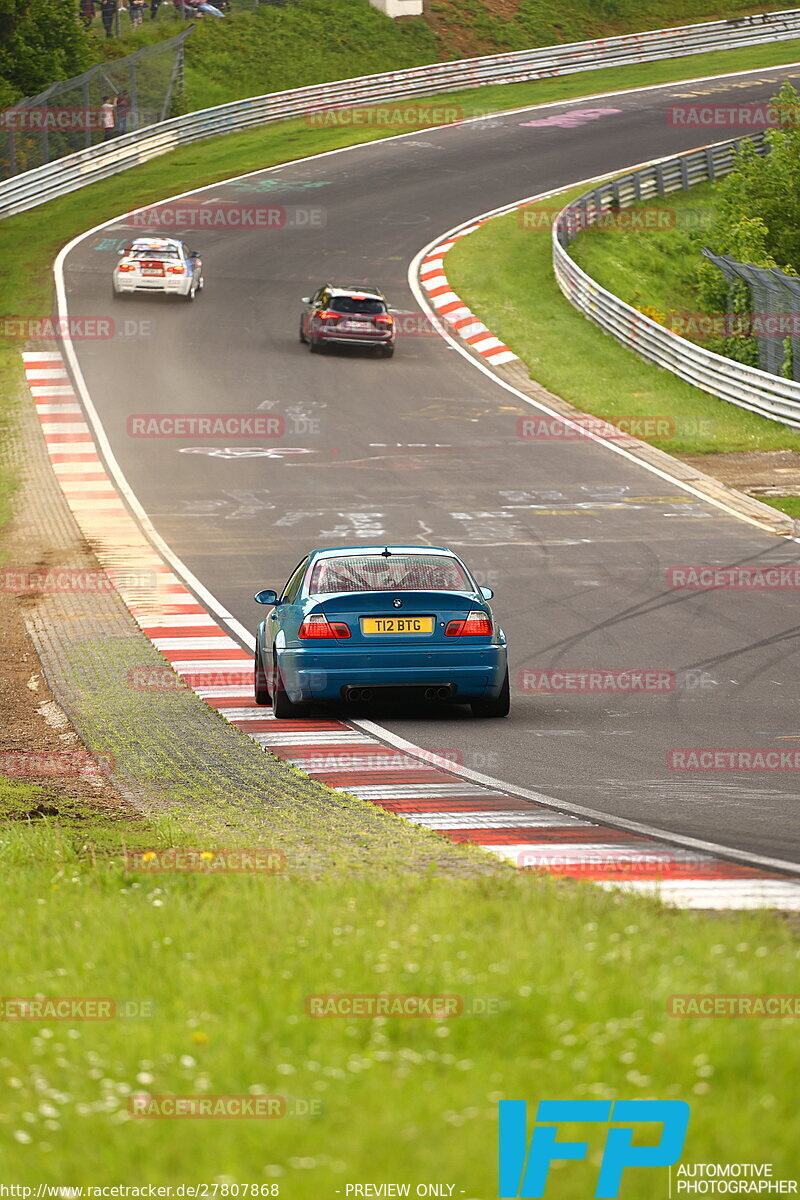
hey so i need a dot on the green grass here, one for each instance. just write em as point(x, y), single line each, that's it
point(788, 504)
point(649, 267)
point(486, 28)
point(504, 273)
point(581, 979)
point(282, 47)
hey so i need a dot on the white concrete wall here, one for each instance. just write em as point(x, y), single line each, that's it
point(399, 8)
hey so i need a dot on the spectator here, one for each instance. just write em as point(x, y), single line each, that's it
point(87, 12)
point(154, 9)
point(123, 108)
point(108, 12)
point(107, 118)
point(203, 7)
point(137, 12)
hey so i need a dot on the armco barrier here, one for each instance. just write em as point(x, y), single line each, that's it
point(747, 387)
point(35, 187)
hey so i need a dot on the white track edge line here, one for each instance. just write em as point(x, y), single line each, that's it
point(579, 810)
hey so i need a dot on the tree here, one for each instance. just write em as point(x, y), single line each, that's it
point(40, 41)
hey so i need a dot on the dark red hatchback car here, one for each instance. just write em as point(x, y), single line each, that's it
point(347, 316)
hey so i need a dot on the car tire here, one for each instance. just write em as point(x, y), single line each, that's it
point(498, 706)
point(192, 292)
point(314, 345)
point(388, 351)
point(303, 338)
point(260, 683)
point(282, 707)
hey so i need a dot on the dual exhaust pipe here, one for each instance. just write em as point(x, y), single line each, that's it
point(362, 694)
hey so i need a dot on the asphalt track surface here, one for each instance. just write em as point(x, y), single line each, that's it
point(574, 539)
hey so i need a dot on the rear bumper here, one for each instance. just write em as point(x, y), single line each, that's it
point(170, 286)
point(472, 671)
point(342, 338)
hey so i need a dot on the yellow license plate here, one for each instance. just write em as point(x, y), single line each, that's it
point(396, 625)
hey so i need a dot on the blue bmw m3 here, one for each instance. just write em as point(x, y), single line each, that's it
point(364, 623)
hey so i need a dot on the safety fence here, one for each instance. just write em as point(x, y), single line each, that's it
point(772, 317)
point(69, 116)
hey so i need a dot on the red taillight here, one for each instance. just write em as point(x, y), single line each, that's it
point(126, 267)
point(384, 319)
point(318, 626)
point(477, 624)
point(328, 315)
point(175, 270)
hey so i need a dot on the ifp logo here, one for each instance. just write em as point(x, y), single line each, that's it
point(524, 1169)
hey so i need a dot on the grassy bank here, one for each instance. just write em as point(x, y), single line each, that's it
point(289, 45)
point(575, 982)
point(653, 267)
point(521, 303)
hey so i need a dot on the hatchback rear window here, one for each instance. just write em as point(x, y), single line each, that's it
point(397, 573)
point(349, 304)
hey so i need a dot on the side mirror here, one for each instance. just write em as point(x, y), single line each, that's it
point(306, 300)
point(124, 250)
point(267, 596)
point(487, 593)
point(194, 254)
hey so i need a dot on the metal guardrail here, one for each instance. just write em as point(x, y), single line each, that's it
point(45, 183)
point(746, 386)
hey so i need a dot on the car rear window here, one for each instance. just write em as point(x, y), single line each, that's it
point(157, 255)
point(349, 304)
point(397, 573)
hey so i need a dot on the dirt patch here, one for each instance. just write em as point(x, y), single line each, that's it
point(756, 472)
point(37, 742)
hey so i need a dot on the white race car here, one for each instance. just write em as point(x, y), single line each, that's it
point(158, 265)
